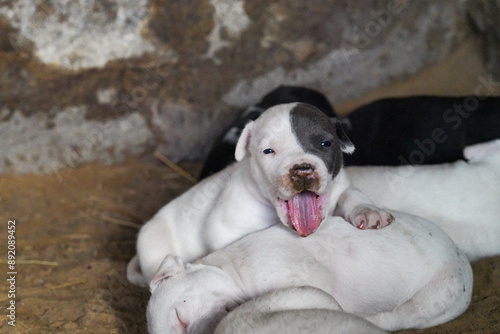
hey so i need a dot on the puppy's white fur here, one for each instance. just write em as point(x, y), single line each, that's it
point(463, 198)
point(244, 198)
point(297, 310)
point(407, 275)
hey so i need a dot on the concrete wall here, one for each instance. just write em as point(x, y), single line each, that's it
point(84, 81)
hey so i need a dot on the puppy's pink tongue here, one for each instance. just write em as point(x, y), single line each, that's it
point(305, 212)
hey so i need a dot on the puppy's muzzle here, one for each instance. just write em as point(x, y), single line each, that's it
point(303, 177)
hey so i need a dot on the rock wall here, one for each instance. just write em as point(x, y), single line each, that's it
point(84, 81)
point(484, 16)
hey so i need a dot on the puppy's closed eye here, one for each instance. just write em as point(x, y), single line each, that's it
point(231, 306)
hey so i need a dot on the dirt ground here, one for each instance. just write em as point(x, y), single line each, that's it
point(75, 231)
point(81, 223)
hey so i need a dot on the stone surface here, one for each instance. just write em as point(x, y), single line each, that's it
point(43, 144)
point(171, 74)
point(181, 129)
point(484, 15)
point(380, 45)
point(229, 16)
point(79, 34)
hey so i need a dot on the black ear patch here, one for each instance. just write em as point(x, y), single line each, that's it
point(345, 143)
point(312, 129)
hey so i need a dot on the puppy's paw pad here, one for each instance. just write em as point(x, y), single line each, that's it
point(367, 217)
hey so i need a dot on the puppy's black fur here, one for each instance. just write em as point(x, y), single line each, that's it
point(421, 129)
point(319, 135)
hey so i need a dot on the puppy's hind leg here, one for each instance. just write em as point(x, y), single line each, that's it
point(443, 299)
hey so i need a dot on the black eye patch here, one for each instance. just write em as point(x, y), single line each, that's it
point(315, 132)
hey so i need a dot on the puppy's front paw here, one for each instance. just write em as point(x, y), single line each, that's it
point(369, 217)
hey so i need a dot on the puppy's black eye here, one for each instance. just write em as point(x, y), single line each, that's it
point(268, 151)
point(326, 143)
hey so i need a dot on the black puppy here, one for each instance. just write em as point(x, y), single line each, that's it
point(421, 129)
point(222, 153)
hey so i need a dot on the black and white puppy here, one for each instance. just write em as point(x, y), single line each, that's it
point(425, 130)
point(222, 153)
point(289, 170)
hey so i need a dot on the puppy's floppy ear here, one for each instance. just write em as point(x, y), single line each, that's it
point(345, 143)
point(170, 266)
point(346, 123)
point(243, 142)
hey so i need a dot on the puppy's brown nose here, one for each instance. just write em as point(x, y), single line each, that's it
point(302, 169)
point(303, 176)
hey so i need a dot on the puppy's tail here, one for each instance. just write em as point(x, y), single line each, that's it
point(134, 273)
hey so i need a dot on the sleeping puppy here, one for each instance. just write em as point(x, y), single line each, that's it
point(289, 169)
point(421, 130)
point(463, 198)
point(407, 275)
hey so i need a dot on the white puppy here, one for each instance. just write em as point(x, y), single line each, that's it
point(289, 169)
point(407, 275)
point(297, 310)
point(463, 198)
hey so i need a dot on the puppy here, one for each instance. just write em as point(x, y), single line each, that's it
point(462, 198)
point(294, 310)
point(421, 129)
point(289, 169)
point(407, 275)
point(222, 153)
